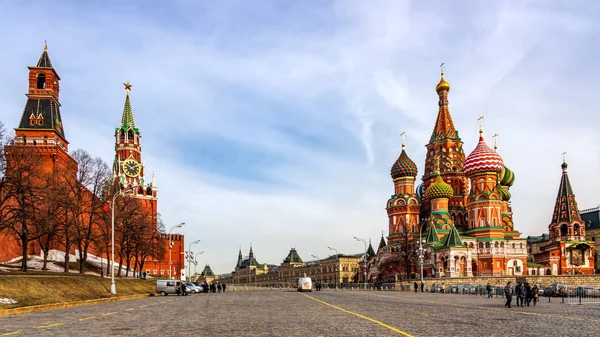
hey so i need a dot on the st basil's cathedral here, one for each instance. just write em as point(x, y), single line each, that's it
point(461, 211)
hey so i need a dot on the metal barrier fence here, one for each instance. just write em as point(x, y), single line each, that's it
point(582, 295)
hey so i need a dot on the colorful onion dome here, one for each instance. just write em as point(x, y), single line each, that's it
point(439, 189)
point(443, 85)
point(504, 192)
point(419, 191)
point(483, 159)
point(403, 167)
point(507, 177)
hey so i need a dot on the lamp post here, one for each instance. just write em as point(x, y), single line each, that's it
point(337, 262)
point(318, 259)
point(113, 286)
point(171, 246)
point(421, 254)
point(365, 259)
point(196, 261)
point(190, 257)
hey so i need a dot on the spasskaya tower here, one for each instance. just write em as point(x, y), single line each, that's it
point(128, 165)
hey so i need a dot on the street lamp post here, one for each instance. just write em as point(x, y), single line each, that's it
point(171, 246)
point(190, 257)
point(421, 254)
point(337, 262)
point(196, 261)
point(113, 286)
point(318, 259)
point(365, 259)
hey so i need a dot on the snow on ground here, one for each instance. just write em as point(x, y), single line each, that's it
point(7, 301)
point(56, 259)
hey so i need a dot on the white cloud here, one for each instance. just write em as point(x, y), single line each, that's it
point(355, 78)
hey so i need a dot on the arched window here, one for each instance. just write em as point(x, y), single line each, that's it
point(130, 134)
point(41, 81)
point(487, 245)
point(501, 244)
point(564, 230)
point(495, 244)
point(122, 134)
point(576, 229)
point(481, 245)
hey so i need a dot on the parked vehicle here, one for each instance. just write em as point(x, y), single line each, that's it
point(305, 284)
point(193, 288)
point(167, 287)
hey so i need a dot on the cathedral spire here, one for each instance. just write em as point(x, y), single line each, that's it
point(565, 208)
point(444, 127)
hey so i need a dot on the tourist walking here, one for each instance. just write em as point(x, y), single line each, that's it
point(224, 286)
point(219, 287)
point(535, 291)
point(443, 288)
point(518, 292)
point(489, 290)
point(416, 286)
point(508, 292)
point(528, 294)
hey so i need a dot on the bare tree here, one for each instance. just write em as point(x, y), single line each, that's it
point(92, 177)
point(23, 175)
point(401, 259)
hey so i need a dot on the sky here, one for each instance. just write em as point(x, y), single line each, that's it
point(275, 123)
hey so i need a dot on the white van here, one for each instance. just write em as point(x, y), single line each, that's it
point(166, 287)
point(305, 284)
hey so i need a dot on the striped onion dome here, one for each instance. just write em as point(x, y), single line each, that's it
point(419, 191)
point(439, 189)
point(403, 167)
point(483, 159)
point(507, 177)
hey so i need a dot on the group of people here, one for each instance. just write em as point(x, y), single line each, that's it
point(524, 293)
point(213, 288)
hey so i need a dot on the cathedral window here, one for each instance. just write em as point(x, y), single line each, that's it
point(564, 230)
point(122, 134)
point(130, 135)
point(576, 229)
point(495, 244)
point(41, 81)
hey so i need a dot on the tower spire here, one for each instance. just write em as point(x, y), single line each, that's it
point(127, 121)
point(444, 127)
point(565, 208)
point(402, 135)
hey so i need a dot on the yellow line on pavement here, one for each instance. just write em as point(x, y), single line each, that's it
point(11, 333)
point(361, 316)
point(86, 318)
point(143, 306)
point(49, 325)
point(129, 309)
point(108, 313)
point(488, 308)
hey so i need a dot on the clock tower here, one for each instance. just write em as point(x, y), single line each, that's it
point(128, 166)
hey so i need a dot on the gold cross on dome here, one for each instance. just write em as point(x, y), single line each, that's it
point(442, 67)
point(495, 136)
point(564, 156)
point(402, 135)
point(480, 120)
point(127, 86)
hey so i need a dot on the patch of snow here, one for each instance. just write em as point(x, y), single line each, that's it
point(7, 301)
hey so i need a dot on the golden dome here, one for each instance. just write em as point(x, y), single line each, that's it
point(443, 85)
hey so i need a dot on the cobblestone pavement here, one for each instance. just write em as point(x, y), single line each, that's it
point(326, 313)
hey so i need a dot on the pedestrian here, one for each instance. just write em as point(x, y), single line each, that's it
point(224, 286)
point(205, 287)
point(183, 289)
point(422, 287)
point(489, 290)
point(178, 288)
point(416, 286)
point(522, 294)
point(443, 288)
point(219, 287)
point(213, 287)
point(535, 291)
point(528, 294)
point(518, 294)
point(508, 292)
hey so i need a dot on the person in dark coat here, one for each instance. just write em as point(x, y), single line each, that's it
point(183, 289)
point(213, 288)
point(508, 292)
point(519, 294)
point(528, 294)
point(206, 287)
point(224, 286)
point(219, 287)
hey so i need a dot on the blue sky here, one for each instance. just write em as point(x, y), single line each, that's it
point(276, 122)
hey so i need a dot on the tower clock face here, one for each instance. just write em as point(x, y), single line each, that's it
point(131, 168)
